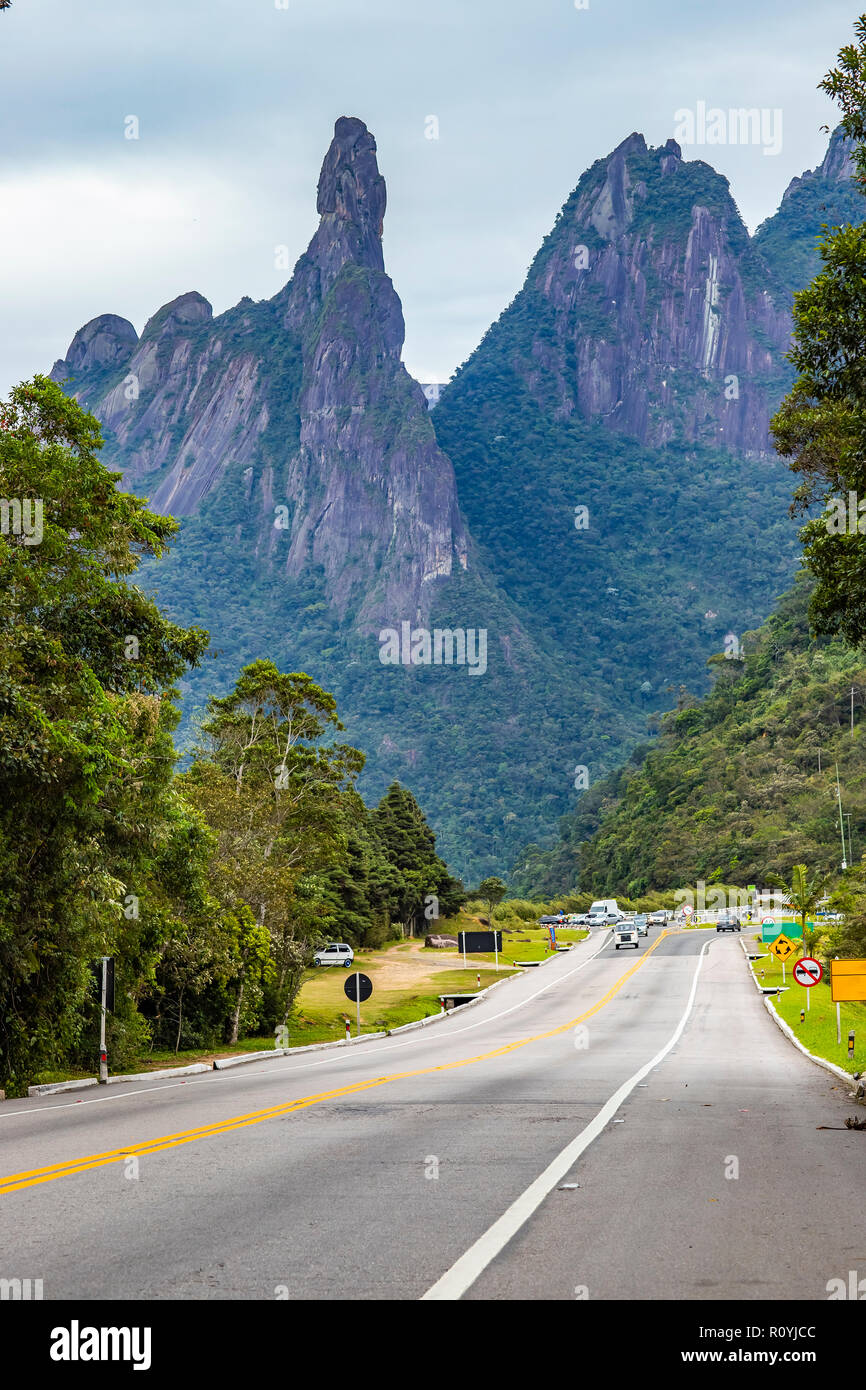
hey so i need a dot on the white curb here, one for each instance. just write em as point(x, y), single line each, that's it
point(223, 1063)
point(266, 1053)
point(52, 1087)
point(192, 1070)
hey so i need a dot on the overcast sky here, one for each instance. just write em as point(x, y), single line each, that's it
point(236, 102)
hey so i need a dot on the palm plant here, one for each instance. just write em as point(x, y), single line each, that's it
point(804, 895)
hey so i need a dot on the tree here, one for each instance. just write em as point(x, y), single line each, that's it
point(411, 847)
point(821, 424)
point(846, 85)
point(87, 665)
point(804, 895)
point(492, 890)
point(271, 793)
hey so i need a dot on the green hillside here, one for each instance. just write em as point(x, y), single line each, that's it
point(732, 790)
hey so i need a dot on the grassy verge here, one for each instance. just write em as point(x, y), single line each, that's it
point(531, 944)
point(817, 1032)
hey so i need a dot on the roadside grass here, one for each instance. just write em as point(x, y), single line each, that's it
point(322, 1006)
point(818, 1031)
point(527, 944)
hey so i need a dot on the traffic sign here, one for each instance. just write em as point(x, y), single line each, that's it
point(808, 971)
point(687, 909)
point(768, 921)
point(358, 987)
point(847, 980)
point(782, 948)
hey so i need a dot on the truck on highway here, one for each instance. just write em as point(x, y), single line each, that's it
point(604, 910)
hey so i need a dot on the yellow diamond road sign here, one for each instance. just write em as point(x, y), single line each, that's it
point(782, 948)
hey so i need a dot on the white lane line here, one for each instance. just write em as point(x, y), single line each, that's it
point(308, 1066)
point(463, 1274)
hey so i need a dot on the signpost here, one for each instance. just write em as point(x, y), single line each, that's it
point(808, 972)
point(782, 948)
point(358, 987)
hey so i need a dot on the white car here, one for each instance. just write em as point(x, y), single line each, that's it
point(337, 953)
point(625, 935)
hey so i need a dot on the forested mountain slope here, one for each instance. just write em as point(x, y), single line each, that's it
point(740, 783)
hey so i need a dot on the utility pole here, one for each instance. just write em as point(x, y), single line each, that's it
point(841, 823)
point(850, 846)
point(852, 709)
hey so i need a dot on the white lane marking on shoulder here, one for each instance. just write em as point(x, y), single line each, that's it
point(465, 1271)
point(308, 1066)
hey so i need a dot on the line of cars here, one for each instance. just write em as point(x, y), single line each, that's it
point(628, 928)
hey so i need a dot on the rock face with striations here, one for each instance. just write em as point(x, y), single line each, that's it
point(646, 298)
point(305, 398)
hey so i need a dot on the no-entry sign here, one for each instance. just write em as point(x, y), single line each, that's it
point(808, 971)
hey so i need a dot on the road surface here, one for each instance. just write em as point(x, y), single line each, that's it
point(441, 1164)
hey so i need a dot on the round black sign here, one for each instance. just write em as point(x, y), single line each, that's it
point(358, 987)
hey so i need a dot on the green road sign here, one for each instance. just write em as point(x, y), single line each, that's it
point(770, 930)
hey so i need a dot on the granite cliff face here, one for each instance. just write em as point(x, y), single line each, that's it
point(651, 311)
point(370, 490)
point(365, 492)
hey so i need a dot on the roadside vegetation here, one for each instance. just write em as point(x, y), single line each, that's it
point(210, 888)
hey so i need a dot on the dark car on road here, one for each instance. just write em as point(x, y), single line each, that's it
point(728, 922)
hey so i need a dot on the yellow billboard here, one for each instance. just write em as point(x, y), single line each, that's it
point(847, 980)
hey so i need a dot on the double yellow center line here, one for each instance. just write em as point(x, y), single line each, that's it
point(15, 1181)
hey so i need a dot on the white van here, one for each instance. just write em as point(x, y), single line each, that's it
point(604, 910)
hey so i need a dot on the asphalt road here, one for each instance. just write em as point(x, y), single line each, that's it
point(433, 1165)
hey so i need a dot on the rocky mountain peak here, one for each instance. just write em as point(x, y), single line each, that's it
point(181, 313)
point(671, 156)
point(351, 203)
point(103, 342)
point(648, 314)
point(838, 162)
point(836, 166)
